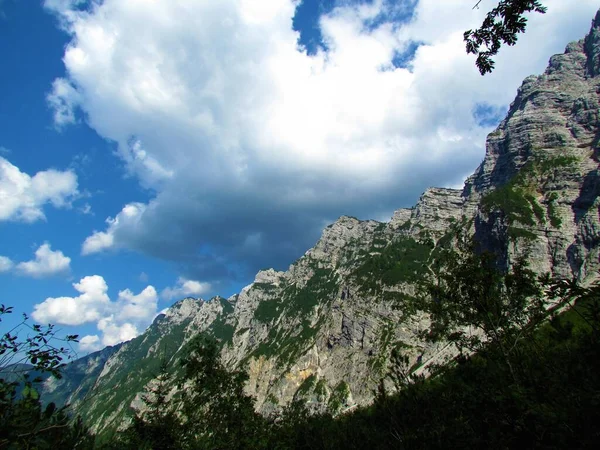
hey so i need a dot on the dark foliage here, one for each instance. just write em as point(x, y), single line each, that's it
point(24, 422)
point(39, 350)
point(472, 303)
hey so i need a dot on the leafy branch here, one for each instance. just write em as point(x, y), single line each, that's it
point(41, 348)
point(501, 26)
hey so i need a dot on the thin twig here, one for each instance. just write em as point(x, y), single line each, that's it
point(43, 430)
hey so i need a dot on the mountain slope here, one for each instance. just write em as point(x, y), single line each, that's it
point(324, 329)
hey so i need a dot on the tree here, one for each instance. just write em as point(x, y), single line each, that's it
point(158, 426)
point(473, 303)
point(39, 351)
point(501, 26)
point(24, 423)
point(217, 413)
point(208, 410)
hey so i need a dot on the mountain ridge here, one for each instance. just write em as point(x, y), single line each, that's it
point(324, 329)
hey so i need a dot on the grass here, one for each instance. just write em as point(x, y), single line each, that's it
point(116, 390)
point(221, 331)
point(321, 389)
point(294, 305)
point(322, 286)
point(287, 345)
point(379, 363)
point(516, 202)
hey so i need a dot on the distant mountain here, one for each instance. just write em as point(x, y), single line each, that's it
point(324, 329)
point(14, 372)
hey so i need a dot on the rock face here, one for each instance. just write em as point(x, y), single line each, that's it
point(324, 329)
point(542, 162)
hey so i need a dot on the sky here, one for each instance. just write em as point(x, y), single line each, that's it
point(156, 149)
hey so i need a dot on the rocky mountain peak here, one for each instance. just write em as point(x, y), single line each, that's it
point(400, 217)
point(270, 276)
point(344, 231)
point(437, 207)
point(184, 309)
point(553, 115)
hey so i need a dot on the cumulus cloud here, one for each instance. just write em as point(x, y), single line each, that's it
point(5, 264)
point(250, 143)
point(137, 307)
point(103, 240)
point(118, 321)
point(90, 343)
point(92, 303)
point(22, 197)
point(46, 263)
point(185, 288)
point(114, 332)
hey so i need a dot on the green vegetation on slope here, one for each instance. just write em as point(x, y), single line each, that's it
point(28, 351)
point(402, 260)
point(294, 304)
point(115, 393)
point(518, 199)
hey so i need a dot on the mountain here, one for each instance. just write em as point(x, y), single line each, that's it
point(324, 329)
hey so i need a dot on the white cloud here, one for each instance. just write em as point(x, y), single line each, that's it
point(90, 306)
point(63, 100)
point(243, 134)
point(103, 240)
point(22, 197)
point(86, 209)
point(118, 320)
point(97, 242)
point(90, 343)
point(185, 288)
point(138, 307)
point(114, 332)
point(5, 264)
point(46, 263)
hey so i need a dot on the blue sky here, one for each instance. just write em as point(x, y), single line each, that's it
point(152, 150)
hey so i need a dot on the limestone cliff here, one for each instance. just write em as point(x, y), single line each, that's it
point(542, 165)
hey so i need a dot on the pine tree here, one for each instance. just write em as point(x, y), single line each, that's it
point(158, 426)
